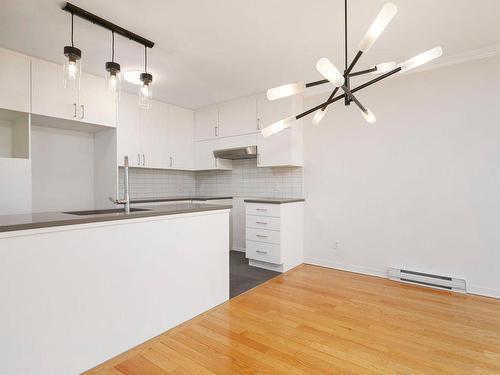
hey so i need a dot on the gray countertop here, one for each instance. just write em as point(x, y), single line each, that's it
point(274, 200)
point(54, 219)
point(173, 199)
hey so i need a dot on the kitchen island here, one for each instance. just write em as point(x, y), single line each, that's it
point(77, 290)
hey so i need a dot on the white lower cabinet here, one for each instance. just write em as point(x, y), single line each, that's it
point(274, 235)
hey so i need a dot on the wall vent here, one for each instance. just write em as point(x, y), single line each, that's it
point(428, 280)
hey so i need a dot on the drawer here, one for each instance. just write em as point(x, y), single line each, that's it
point(264, 222)
point(263, 235)
point(265, 252)
point(263, 209)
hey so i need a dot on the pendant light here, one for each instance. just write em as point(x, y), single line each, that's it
point(341, 81)
point(145, 90)
point(113, 75)
point(72, 66)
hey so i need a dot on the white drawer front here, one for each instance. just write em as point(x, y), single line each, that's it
point(263, 235)
point(263, 222)
point(265, 252)
point(263, 209)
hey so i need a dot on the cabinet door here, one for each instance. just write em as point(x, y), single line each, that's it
point(96, 105)
point(50, 98)
point(180, 137)
point(155, 136)
point(15, 78)
point(128, 130)
point(206, 122)
point(238, 117)
point(284, 148)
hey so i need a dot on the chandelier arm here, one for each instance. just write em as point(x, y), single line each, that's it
point(353, 63)
point(361, 72)
point(316, 83)
point(330, 97)
point(354, 99)
point(360, 87)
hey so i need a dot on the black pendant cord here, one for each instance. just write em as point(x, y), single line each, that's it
point(72, 43)
point(112, 46)
point(345, 34)
point(145, 59)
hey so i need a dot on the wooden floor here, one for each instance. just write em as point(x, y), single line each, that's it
point(315, 320)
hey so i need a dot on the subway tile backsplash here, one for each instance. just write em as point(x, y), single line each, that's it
point(244, 180)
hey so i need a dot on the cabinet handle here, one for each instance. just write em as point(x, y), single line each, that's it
point(216, 131)
point(138, 159)
point(258, 124)
point(82, 107)
point(74, 107)
point(261, 222)
point(260, 236)
point(261, 209)
point(143, 159)
point(262, 252)
point(171, 162)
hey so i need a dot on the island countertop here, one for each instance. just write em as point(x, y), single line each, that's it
point(37, 220)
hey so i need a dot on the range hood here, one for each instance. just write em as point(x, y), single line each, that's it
point(238, 153)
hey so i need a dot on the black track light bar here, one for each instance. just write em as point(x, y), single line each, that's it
point(360, 87)
point(82, 13)
point(361, 72)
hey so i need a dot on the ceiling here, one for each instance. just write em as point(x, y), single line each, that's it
point(209, 51)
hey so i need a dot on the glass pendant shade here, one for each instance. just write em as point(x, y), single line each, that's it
point(369, 116)
point(286, 90)
point(146, 91)
point(378, 26)
point(318, 116)
point(385, 67)
point(113, 78)
point(330, 72)
point(72, 68)
point(277, 126)
point(421, 59)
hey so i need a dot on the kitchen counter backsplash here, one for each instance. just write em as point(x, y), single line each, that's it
point(245, 179)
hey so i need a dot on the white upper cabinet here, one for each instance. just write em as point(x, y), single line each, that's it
point(238, 117)
point(97, 106)
point(180, 145)
point(91, 105)
point(206, 124)
point(284, 148)
point(50, 98)
point(15, 78)
point(128, 132)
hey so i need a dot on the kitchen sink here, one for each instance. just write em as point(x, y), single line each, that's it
point(101, 212)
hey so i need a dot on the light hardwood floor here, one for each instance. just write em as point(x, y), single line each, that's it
point(314, 320)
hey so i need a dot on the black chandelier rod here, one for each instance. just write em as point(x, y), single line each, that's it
point(361, 72)
point(96, 20)
point(360, 87)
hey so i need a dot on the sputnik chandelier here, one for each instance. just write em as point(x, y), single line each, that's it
point(332, 75)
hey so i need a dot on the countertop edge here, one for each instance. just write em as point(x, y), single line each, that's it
point(92, 220)
point(276, 201)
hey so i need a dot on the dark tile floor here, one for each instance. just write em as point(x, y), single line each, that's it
point(244, 277)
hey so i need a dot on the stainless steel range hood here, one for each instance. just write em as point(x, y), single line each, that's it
point(247, 152)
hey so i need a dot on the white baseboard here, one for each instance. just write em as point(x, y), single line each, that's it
point(240, 249)
point(481, 291)
point(471, 289)
point(348, 267)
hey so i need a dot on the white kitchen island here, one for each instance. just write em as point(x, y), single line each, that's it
point(75, 295)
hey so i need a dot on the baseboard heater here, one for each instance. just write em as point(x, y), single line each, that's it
point(428, 280)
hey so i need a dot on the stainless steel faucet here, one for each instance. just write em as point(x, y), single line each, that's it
point(126, 198)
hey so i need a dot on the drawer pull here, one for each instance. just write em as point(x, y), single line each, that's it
point(260, 235)
point(261, 209)
point(262, 252)
point(261, 222)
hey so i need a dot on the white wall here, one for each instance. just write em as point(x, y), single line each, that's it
point(420, 189)
point(62, 169)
